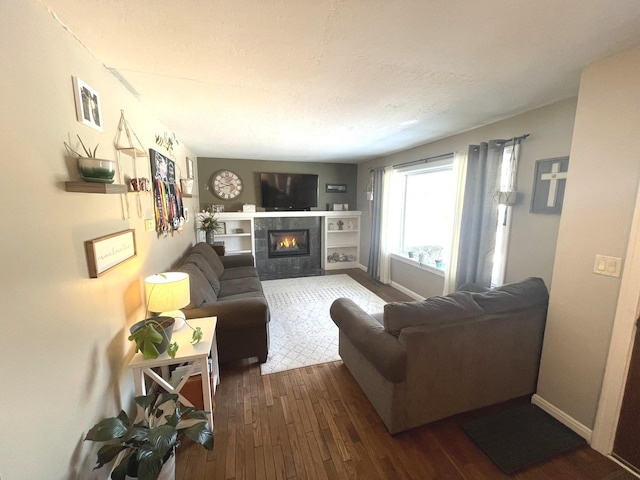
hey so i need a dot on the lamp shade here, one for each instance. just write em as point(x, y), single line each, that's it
point(167, 291)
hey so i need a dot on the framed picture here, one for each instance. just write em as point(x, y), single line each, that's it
point(189, 168)
point(88, 108)
point(336, 188)
point(105, 253)
point(222, 228)
point(549, 182)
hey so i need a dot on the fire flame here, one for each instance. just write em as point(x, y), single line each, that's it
point(288, 243)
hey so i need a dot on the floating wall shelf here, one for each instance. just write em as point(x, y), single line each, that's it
point(89, 187)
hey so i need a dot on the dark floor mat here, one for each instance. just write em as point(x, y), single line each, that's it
point(520, 437)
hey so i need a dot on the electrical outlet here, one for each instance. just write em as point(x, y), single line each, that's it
point(149, 225)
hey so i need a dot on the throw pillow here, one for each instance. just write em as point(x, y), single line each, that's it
point(432, 311)
point(206, 269)
point(210, 256)
point(199, 288)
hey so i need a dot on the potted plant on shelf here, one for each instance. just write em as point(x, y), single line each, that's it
point(147, 447)
point(209, 225)
point(92, 169)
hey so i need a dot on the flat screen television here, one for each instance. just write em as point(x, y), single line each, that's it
point(289, 191)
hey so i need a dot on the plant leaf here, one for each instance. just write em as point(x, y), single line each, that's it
point(107, 429)
point(200, 433)
point(196, 336)
point(108, 452)
point(172, 349)
point(162, 438)
point(121, 470)
point(145, 401)
point(149, 463)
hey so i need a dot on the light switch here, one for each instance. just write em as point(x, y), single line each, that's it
point(608, 266)
point(149, 225)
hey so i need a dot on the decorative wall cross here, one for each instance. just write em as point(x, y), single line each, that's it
point(554, 176)
point(549, 183)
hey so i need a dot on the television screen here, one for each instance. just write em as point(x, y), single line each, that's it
point(289, 191)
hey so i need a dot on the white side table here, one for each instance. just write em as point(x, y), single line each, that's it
point(190, 355)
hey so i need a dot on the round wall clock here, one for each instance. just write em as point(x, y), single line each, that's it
point(226, 184)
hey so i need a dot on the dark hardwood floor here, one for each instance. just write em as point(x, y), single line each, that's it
point(315, 422)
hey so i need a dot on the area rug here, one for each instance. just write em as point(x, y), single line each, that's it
point(301, 332)
point(521, 437)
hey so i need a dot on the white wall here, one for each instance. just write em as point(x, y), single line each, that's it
point(599, 201)
point(533, 236)
point(64, 346)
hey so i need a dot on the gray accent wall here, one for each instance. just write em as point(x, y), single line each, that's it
point(249, 172)
point(533, 236)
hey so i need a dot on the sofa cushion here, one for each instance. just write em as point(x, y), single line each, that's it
point(204, 266)
point(529, 293)
point(239, 272)
point(199, 288)
point(210, 256)
point(239, 285)
point(241, 296)
point(432, 311)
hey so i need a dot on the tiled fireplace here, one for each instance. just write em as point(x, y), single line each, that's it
point(288, 247)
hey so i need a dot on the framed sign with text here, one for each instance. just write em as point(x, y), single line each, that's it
point(105, 253)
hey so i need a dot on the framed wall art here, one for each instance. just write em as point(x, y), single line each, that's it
point(549, 180)
point(88, 108)
point(336, 188)
point(105, 253)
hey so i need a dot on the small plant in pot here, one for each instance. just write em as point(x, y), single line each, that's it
point(152, 337)
point(145, 446)
point(92, 169)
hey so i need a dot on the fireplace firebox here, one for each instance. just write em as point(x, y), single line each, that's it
point(288, 243)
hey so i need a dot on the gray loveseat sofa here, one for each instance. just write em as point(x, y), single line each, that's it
point(423, 361)
point(228, 287)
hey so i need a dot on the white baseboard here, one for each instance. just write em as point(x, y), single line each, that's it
point(399, 287)
point(406, 291)
point(562, 417)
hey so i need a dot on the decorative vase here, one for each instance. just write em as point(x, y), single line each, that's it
point(209, 236)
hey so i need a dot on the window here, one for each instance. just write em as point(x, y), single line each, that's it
point(508, 182)
point(423, 212)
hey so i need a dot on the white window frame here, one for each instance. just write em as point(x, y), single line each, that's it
point(398, 204)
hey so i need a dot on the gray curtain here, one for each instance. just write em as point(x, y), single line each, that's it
point(373, 267)
point(479, 214)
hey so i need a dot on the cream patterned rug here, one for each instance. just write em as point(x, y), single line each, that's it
point(301, 331)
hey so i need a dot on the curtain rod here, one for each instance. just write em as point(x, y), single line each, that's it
point(424, 160)
point(515, 139)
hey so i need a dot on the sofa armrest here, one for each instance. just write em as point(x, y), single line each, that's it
point(379, 347)
point(234, 314)
point(231, 261)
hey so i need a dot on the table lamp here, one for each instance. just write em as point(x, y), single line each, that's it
point(166, 293)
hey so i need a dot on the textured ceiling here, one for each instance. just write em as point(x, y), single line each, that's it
point(332, 80)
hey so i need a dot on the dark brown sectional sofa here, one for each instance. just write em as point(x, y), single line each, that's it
point(228, 287)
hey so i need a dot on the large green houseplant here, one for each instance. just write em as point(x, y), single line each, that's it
point(145, 445)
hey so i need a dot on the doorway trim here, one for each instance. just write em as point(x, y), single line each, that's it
point(621, 345)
